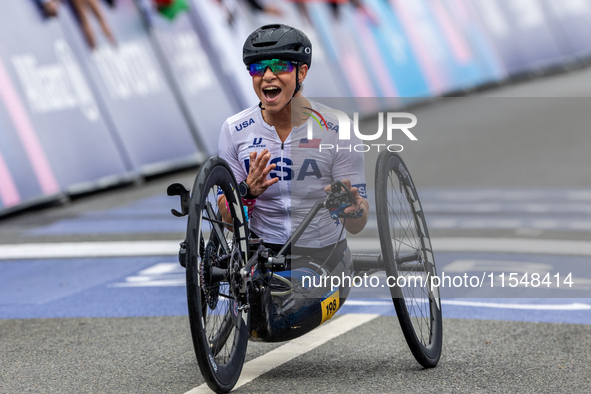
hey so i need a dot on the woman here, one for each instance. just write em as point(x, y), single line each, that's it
point(282, 174)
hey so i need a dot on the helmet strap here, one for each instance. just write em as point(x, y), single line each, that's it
point(298, 86)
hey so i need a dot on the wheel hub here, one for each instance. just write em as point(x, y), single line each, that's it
point(211, 290)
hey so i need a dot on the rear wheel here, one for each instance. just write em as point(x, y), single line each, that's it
point(408, 257)
point(217, 299)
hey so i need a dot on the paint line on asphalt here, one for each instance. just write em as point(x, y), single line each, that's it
point(513, 245)
point(357, 245)
point(88, 249)
point(490, 245)
point(295, 348)
point(575, 306)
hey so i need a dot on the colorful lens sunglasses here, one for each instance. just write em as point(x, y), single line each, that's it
point(277, 67)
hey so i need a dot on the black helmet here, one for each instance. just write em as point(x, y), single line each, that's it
point(277, 42)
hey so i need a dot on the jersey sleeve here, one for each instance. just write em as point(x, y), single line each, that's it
point(228, 150)
point(349, 164)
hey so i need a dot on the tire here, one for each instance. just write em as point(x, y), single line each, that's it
point(404, 236)
point(218, 310)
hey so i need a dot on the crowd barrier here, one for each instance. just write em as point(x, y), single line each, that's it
point(75, 119)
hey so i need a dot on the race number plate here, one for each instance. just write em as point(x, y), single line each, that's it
point(330, 306)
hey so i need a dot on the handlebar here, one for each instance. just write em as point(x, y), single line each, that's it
point(339, 199)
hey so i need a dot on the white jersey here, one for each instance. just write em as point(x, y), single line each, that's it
point(303, 171)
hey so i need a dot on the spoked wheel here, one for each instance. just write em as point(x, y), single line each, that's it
point(216, 251)
point(408, 257)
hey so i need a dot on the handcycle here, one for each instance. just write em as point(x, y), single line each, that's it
point(228, 272)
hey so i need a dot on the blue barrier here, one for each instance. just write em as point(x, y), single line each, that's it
point(520, 33)
point(428, 45)
point(497, 27)
point(320, 21)
point(395, 47)
point(374, 64)
point(130, 83)
point(571, 25)
point(486, 55)
point(529, 24)
point(322, 80)
point(18, 180)
point(56, 124)
point(205, 98)
point(225, 39)
point(466, 70)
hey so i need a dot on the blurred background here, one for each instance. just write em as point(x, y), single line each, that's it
point(100, 93)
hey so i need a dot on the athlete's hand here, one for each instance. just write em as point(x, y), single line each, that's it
point(355, 192)
point(259, 170)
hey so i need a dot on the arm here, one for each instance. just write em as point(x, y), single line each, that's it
point(256, 178)
point(355, 226)
point(349, 167)
point(228, 152)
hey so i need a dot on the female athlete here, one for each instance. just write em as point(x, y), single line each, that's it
point(282, 173)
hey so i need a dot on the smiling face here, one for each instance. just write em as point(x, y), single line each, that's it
point(275, 91)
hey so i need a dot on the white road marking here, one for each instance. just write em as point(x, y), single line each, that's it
point(580, 225)
point(158, 275)
point(513, 245)
point(497, 266)
point(579, 195)
point(489, 267)
point(88, 250)
point(575, 306)
point(174, 282)
point(295, 348)
point(492, 245)
point(451, 222)
point(170, 248)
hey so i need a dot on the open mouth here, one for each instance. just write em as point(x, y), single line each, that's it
point(271, 92)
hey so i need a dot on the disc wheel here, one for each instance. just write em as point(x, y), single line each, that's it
point(217, 299)
point(408, 257)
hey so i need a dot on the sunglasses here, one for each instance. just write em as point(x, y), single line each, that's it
point(277, 67)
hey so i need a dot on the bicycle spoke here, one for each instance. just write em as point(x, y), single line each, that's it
point(400, 203)
point(405, 233)
point(404, 240)
point(219, 232)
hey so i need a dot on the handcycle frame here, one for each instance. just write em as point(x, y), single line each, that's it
point(391, 175)
point(361, 262)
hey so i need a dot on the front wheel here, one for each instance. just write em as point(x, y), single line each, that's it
point(408, 257)
point(217, 298)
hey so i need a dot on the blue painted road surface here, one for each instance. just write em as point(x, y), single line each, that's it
point(155, 286)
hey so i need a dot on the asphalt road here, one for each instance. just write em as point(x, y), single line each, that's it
point(154, 355)
point(65, 327)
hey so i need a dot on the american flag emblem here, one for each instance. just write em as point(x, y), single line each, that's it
point(306, 143)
